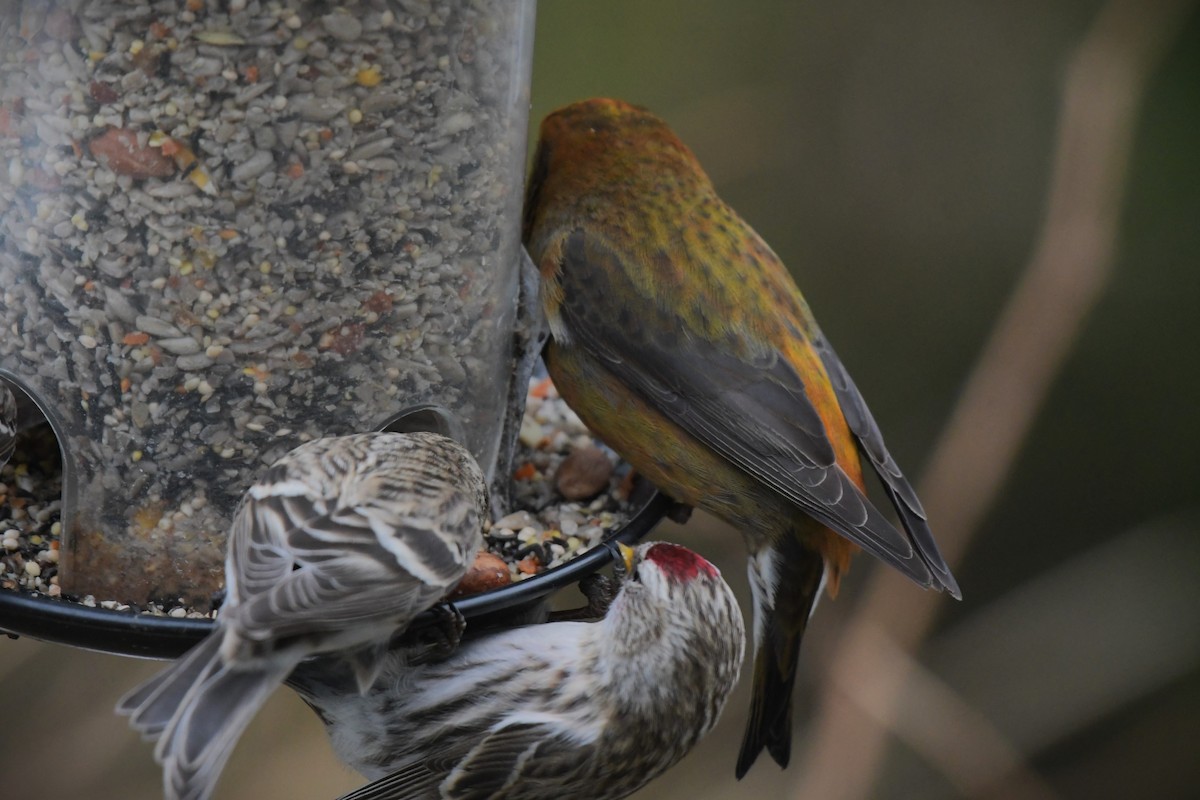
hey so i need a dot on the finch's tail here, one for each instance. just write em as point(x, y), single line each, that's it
point(151, 705)
point(197, 708)
point(791, 575)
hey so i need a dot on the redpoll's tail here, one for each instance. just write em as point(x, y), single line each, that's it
point(797, 585)
point(199, 707)
point(151, 705)
point(198, 742)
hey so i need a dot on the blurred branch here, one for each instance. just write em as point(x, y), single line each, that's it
point(950, 733)
point(1097, 633)
point(1055, 654)
point(1036, 331)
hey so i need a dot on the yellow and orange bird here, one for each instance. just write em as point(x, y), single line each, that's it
point(678, 336)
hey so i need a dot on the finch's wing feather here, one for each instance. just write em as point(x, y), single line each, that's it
point(302, 566)
point(870, 441)
point(738, 396)
point(414, 782)
point(536, 756)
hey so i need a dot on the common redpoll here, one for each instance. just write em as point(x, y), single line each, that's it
point(580, 710)
point(8, 424)
point(341, 544)
point(681, 339)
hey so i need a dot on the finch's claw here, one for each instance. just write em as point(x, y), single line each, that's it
point(444, 635)
point(618, 558)
point(434, 642)
point(599, 591)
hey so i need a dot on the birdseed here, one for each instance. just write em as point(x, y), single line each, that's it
point(546, 529)
point(229, 228)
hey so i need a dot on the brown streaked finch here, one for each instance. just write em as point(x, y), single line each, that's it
point(339, 545)
point(587, 710)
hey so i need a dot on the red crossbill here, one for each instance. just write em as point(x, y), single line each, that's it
point(679, 337)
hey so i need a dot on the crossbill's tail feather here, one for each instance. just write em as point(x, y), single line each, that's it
point(797, 586)
point(770, 723)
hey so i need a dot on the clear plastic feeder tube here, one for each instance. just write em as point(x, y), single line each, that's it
point(229, 226)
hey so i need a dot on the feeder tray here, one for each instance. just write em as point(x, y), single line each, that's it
point(137, 634)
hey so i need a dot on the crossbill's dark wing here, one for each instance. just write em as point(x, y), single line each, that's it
point(537, 757)
point(739, 396)
point(870, 441)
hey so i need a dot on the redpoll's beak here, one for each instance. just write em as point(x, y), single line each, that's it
point(627, 554)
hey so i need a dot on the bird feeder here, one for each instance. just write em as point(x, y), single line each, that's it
point(231, 226)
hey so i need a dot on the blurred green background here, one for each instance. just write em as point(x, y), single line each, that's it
point(897, 156)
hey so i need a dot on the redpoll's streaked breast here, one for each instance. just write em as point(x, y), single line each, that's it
point(339, 545)
point(581, 710)
point(680, 339)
